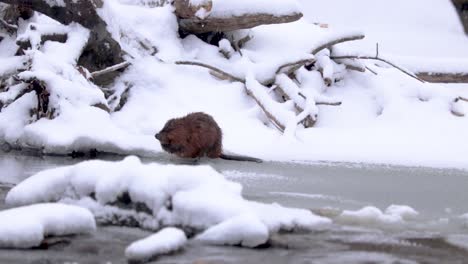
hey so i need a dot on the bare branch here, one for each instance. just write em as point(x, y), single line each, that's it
point(336, 41)
point(219, 71)
point(379, 59)
point(461, 99)
point(111, 69)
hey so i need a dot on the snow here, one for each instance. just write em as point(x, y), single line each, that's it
point(193, 197)
point(165, 241)
point(421, 36)
point(460, 240)
point(387, 118)
point(227, 8)
point(244, 230)
point(369, 215)
point(27, 226)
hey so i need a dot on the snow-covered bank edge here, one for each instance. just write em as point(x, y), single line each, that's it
point(196, 199)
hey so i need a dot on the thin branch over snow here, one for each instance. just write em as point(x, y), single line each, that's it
point(359, 57)
point(217, 70)
point(339, 40)
point(295, 65)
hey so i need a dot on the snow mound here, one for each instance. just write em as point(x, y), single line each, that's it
point(165, 241)
point(244, 230)
point(152, 196)
point(27, 226)
point(369, 215)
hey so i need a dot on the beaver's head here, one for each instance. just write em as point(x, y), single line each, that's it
point(174, 136)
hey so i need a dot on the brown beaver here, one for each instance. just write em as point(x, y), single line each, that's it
point(195, 135)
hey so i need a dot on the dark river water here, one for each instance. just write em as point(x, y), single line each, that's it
point(437, 235)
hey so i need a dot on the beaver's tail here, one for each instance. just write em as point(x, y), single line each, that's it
point(239, 158)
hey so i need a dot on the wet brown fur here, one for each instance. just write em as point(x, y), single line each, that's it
point(195, 135)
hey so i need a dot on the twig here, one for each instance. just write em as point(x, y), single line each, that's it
point(294, 65)
point(379, 59)
point(328, 103)
point(113, 68)
point(336, 41)
point(461, 99)
point(369, 69)
point(11, 29)
point(219, 71)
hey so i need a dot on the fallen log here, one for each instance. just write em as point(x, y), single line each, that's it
point(438, 77)
point(197, 19)
point(221, 24)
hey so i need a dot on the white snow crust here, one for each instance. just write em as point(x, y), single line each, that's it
point(195, 197)
point(227, 8)
point(369, 215)
point(27, 226)
point(165, 241)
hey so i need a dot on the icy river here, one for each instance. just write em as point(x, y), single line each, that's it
point(438, 234)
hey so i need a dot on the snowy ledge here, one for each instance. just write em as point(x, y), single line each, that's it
point(28, 226)
point(196, 199)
